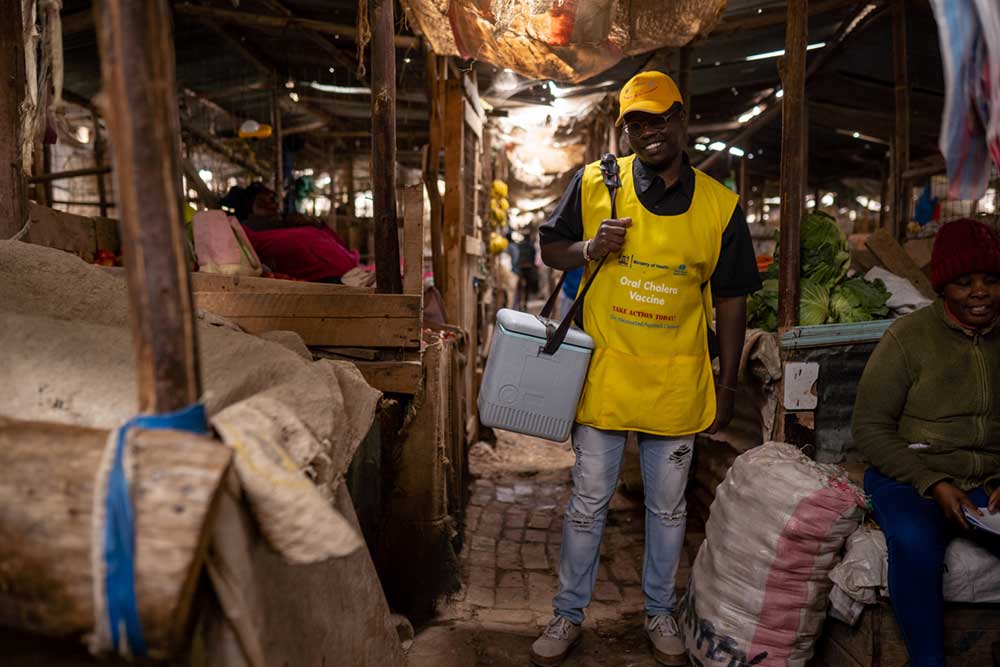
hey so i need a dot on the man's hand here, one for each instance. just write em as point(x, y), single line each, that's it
point(724, 399)
point(952, 499)
point(610, 238)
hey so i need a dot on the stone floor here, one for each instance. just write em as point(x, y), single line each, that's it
point(510, 559)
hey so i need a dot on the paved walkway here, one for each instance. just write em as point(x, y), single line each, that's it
point(509, 563)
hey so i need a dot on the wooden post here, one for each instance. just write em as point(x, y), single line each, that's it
point(279, 167)
point(102, 195)
point(13, 189)
point(140, 107)
point(901, 139)
point(793, 138)
point(453, 233)
point(435, 69)
point(383, 165)
point(866, 15)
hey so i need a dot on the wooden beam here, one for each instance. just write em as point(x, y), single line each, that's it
point(793, 167)
point(47, 476)
point(286, 23)
point(102, 194)
point(894, 258)
point(413, 240)
point(398, 377)
point(322, 42)
point(901, 139)
point(755, 19)
point(929, 167)
point(140, 107)
point(864, 17)
point(351, 331)
point(81, 235)
point(205, 194)
point(306, 127)
point(383, 59)
point(435, 67)
point(454, 200)
point(13, 189)
point(280, 303)
point(267, 68)
point(72, 173)
point(216, 145)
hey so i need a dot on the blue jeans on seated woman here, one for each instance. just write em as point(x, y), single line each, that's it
point(917, 534)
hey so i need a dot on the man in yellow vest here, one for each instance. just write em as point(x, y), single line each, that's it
point(679, 246)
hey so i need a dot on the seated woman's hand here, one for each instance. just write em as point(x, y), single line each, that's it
point(951, 500)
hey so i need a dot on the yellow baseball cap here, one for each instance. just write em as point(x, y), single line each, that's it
point(651, 92)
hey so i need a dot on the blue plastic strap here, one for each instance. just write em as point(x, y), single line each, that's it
point(119, 527)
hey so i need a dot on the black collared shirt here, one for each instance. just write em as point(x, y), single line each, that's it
point(735, 274)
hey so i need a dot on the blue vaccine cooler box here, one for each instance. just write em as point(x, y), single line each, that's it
point(529, 392)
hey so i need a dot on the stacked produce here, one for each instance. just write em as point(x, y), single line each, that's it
point(827, 295)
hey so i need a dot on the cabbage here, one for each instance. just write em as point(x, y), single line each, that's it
point(825, 255)
point(826, 296)
point(859, 300)
point(814, 303)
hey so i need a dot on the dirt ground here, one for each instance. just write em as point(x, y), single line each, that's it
point(510, 560)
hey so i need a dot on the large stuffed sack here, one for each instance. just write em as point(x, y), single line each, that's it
point(760, 583)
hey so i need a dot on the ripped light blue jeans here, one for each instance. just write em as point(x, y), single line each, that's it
point(665, 463)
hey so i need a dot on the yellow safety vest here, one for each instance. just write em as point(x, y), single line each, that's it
point(649, 308)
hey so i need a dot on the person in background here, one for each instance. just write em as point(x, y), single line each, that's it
point(293, 244)
point(927, 416)
point(679, 245)
point(527, 268)
point(569, 289)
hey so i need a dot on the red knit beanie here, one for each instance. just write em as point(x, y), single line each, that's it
point(962, 247)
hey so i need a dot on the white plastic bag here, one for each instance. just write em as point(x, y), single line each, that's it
point(760, 583)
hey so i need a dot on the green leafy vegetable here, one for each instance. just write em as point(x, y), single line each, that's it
point(814, 303)
point(858, 300)
point(826, 296)
point(762, 307)
point(826, 256)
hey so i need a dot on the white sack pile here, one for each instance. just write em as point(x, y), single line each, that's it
point(971, 574)
point(760, 583)
point(66, 356)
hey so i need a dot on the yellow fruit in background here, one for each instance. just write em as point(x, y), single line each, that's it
point(497, 244)
point(499, 188)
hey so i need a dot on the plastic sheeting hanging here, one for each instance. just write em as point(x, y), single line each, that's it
point(563, 40)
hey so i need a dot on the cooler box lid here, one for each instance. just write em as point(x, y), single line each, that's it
point(525, 324)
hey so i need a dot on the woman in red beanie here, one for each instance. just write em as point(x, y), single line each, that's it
point(927, 416)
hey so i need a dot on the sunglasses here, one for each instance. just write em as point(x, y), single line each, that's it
point(634, 128)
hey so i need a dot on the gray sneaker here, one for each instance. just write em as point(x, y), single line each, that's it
point(555, 643)
point(668, 646)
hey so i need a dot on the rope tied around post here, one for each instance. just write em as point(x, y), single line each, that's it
point(116, 611)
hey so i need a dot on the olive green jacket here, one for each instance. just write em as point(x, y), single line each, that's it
point(928, 408)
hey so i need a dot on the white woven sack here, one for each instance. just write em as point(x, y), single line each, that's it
point(759, 586)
